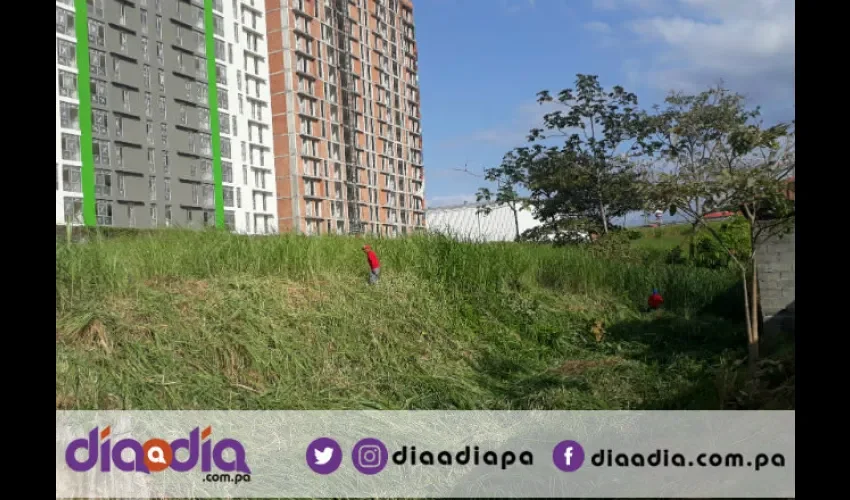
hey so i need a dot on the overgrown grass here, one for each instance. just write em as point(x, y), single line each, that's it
point(205, 320)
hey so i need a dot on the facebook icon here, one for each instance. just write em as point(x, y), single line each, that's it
point(568, 456)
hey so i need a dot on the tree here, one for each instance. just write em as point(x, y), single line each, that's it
point(693, 130)
point(724, 160)
point(593, 175)
point(509, 176)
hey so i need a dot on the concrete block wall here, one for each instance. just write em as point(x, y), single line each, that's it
point(776, 271)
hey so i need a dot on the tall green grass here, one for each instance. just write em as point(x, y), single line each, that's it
point(182, 319)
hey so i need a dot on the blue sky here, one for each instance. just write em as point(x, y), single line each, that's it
point(481, 63)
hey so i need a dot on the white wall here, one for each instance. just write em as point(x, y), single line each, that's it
point(248, 219)
point(465, 222)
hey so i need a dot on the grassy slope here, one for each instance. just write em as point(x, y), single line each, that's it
point(213, 321)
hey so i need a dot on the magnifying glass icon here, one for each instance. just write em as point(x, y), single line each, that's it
point(156, 455)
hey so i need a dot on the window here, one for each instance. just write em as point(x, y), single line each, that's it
point(201, 91)
point(222, 100)
point(224, 122)
point(97, 33)
point(97, 62)
point(121, 186)
point(69, 115)
point(167, 190)
point(100, 150)
point(143, 20)
point(225, 147)
point(161, 80)
point(163, 129)
point(146, 76)
point(184, 118)
point(66, 53)
point(239, 201)
point(119, 156)
point(220, 50)
point(226, 171)
point(221, 74)
point(152, 187)
point(148, 105)
point(100, 122)
point(153, 215)
point(228, 196)
point(103, 182)
point(152, 159)
point(244, 175)
point(70, 147)
point(159, 27)
point(95, 7)
point(122, 41)
point(104, 212)
point(149, 132)
point(165, 164)
point(218, 25)
point(73, 210)
point(160, 54)
point(234, 125)
point(168, 215)
point(71, 179)
point(206, 148)
point(162, 107)
point(145, 53)
point(126, 100)
point(204, 118)
point(64, 21)
point(67, 84)
point(116, 67)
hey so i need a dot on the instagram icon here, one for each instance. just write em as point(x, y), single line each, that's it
point(369, 456)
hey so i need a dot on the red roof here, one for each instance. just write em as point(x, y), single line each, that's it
point(718, 215)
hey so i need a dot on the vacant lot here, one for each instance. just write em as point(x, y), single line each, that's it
point(189, 320)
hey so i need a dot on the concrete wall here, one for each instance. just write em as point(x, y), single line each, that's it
point(776, 272)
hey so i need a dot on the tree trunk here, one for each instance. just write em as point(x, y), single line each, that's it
point(692, 250)
point(604, 218)
point(753, 331)
point(516, 222)
point(752, 349)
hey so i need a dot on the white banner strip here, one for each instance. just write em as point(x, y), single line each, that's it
point(424, 454)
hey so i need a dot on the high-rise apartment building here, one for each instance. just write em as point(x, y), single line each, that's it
point(346, 120)
point(162, 114)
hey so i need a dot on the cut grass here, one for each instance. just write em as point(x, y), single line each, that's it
point(205, 320)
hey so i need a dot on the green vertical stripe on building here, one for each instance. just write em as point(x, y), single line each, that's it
point(81, 26)
point(212, 94)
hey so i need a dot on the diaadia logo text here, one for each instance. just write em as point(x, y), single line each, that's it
point(154, 455)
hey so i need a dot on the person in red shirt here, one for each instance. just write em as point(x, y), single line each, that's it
point(655, 300)
point(374, 264)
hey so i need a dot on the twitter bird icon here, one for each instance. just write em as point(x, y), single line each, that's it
point(324, 455)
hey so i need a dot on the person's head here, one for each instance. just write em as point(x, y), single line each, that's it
point(366, 248)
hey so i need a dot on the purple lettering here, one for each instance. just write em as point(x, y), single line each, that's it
point(190, 445)
point(238, 464)
point(205, 456)
point(138, 463)
point(90, 445)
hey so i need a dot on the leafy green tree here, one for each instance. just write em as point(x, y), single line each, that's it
point(593, 175)
point(724, 160)
point(509, 177)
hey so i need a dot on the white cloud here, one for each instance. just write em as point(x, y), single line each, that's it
point(749, 44)
point(597, 27)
